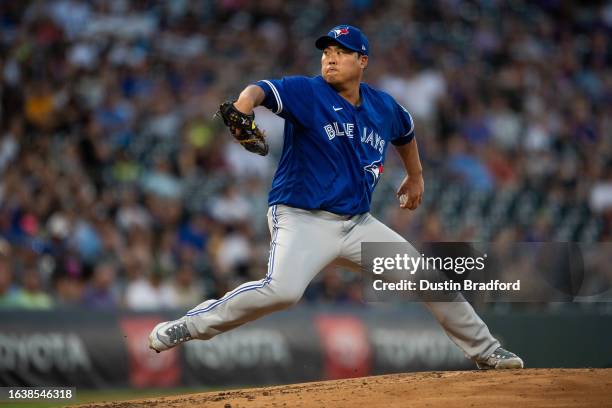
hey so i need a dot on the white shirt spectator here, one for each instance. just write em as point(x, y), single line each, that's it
point(8, 150)
point(131, 215)
point(231, 207)
point(234, 250)
point(419, 94)
point(141, 294)
point(601, 196)
point(537, 137)
point(244, 163)
point(505, 126)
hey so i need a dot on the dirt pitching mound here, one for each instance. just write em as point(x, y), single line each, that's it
point(524, 388)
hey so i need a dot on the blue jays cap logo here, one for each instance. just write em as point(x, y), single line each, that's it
point(339, 31)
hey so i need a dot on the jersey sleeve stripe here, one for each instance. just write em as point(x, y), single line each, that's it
point(411, 124)
point(279, 102)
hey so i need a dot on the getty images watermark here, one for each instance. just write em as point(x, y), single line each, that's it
point(491, 272)
point(410, 264)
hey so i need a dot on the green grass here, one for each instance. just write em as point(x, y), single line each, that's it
point(90, 396)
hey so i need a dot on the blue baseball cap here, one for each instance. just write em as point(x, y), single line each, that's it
point(348, 36)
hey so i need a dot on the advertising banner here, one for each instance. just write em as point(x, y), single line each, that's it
point(104, 350)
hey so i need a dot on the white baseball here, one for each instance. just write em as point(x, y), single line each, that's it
point(403, 199)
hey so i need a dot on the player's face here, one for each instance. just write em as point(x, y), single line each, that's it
point(340, 65)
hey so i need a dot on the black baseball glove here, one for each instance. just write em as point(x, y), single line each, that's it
point(243, 128)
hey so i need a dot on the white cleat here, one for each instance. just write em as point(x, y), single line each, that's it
point(167, 335)
point(500, 359)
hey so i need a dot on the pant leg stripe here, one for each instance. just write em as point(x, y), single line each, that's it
point(264, 281)
point(225, 299)
point(272, 245)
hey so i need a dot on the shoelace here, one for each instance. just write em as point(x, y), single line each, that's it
point(502, 354)
point(178, 333)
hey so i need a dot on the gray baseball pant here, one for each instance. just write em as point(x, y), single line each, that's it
point(303, 243)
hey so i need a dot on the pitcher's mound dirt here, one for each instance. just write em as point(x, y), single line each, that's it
point(522, 388)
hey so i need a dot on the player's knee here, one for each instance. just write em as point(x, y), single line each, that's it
point(287, 297)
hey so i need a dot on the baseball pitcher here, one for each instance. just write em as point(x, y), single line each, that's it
point(337, 131)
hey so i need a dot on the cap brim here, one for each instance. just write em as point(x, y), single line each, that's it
point(324, 41)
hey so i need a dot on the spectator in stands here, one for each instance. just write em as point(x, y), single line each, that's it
point(8, 291)
point(32, 293)
point(185, 290)
point(101, 290)
point(148, 292)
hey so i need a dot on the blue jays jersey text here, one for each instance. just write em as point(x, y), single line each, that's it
point(333, 152)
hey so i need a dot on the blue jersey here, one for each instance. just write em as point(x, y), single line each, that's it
point(333, 152)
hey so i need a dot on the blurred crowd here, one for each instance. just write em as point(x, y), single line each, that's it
point(119, 190)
